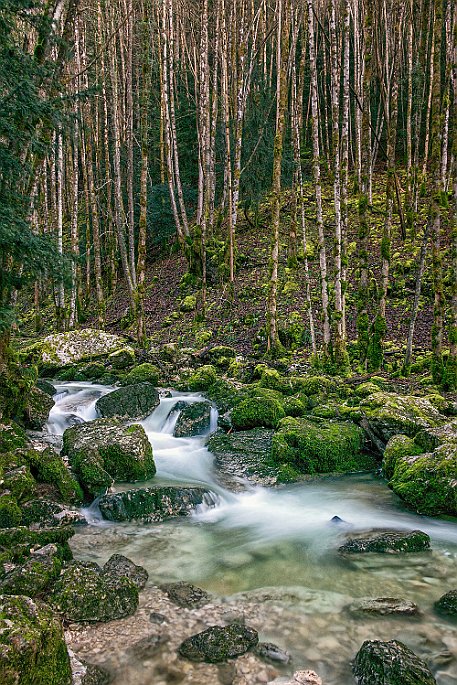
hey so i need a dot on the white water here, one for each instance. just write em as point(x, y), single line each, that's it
point(279, 538)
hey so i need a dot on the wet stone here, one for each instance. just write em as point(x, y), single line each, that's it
point(447, 605)
point(386, 542)
point(384, 606)
point(118, 565)
point(271, 652)
point(157, 618)
point(216, 644)
point(390, 663)
point(186, 595)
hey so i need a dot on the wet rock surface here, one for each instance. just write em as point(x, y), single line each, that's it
point(218, 643)
point(390, 663)
point(386, 542)
point(186, 595)
point(447, 605)
point(132, 402)
point(118, 565)
point(243, 455)
point(151, 505)
point(194, 419)
point(384, 606)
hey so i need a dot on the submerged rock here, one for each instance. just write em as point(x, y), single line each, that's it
point(131, 402)
point(85, 593)
point(105, 450)
point(243, 455)
point(390, 663)
point(186, 595)
point(384, 606)
point(447, 604)
point(155, 504)
point(118, 565)
point(273, 653)
point(386, 542)
point(216, 644)
point(193, 419)
point(87, 674)
point(32, 645)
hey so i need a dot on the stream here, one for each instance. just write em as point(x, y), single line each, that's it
point(268, 556)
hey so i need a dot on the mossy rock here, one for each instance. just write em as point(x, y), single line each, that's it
point(257, 412)
point(12, 437)
point(217, 644)
point(386, 542)
point(46, 386)
point(188, 304)
point(194, 419)
point(35, 576)
point(20, 483)
point(122, 359)
point(94, 370)
point(447, 605)
point(105, 450)
point(398, 447)
point(220, 356)
point(49, 467)
point(45, 513)
point(320, 447)
point(37, 408)
point(32, 644)
point(13, 537)
point(224, 395)
point(85, 594)
point(313, 385)
point(202, 379)
point(10, 512)
point(133, 402)
point(293, 406)
point(366, 389)
point(152, 505)
point(390, 663)
point(63, 349)
point(272, 379)
point(143, 373)
point(243, 455)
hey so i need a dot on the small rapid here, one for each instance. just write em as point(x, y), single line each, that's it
point(275, 543)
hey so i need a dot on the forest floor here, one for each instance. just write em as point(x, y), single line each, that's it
point(237, 317)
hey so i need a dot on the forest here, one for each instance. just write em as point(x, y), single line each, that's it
point(228, 342)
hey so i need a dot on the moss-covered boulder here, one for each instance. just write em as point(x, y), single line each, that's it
point(37, 408)
point(399, 446)
point(10, 513)
point(133, 402)
point(32, 645)
point(243, 456)
point(43, 513)
point(45, 386)
point(35, 576)
point(63, 349)
point(12, 436)
point(143, 373)
point(390, 663)
point(123, 358)
point(20, 483)
point(48, 467)
point(257, 412)
point(388, 414)
point(202, 379)
point(325, 447)
point(366, 389)
point(105, 450)
point(84, 593)
point(217, 644)
point(193, 419)
point(386, 542)
point(220, 356)
point(151, 505)
point(17, 543)
point(447, 605)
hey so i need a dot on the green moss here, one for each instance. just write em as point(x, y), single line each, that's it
point(20, 483)
point(257, 411)
point(202, 379)
point(143, 373)
point(48, 467)
point(366, 389)
point(189, 303)
point(32, 578)
point(288, 474)
point(293, 406)
point(399, 446)
point(320, 448)
point(12, 437)
point(122, 359)
point(10, 513)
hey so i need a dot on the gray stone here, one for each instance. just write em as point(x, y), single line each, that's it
point(384, 606)
point(273, 653)
point(194, 419)
point(386, 542)
point(131, 402)
point(119, 565)
point(186, 595)
point(243, 455)
point(447, 605)
point(390, 663)
point(216, 644)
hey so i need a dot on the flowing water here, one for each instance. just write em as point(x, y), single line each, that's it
point(271, 555)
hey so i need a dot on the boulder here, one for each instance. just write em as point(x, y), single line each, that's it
point(10, 513)
point(46, 386)
point(41, 513)
point(386, 542)
point(255, 412)
point(12, 436)
point(383, 606)
point(35, 576)
point(216, 644)
point(63, 349)
point(152, 505)
point(105, 450)
point(243, 455)
point(85, 593)
point(132, 402)
point(387, 414)
point(20, 483)
point(186, 595)
point(143, 373)
point(37, 408)
point(123, 358)
point(390, 663)
point(447, 604)
point(202, 379)
point(399, 446)
point(194, 419)
point(32, 645)
point(118, 565)
point(320, 447)
point(48, 467)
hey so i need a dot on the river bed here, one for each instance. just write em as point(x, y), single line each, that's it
point(269, 558)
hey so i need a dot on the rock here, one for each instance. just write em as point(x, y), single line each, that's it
point(148, 646)
point(143, 373)
point(10, 513)
point(84, 593)
point(37, 408)
point(388, 414)
point(63, 349)
point(327, 447)
point(243, 455)
point(271, 652)
point(87, 674)
point(256, 412)
point(149, 505)
point(45, 514)
point(193, 419)
point(186, 595)
point(447, 604)
point(386, 542)
point(306, 678)
point(123, 358)
point(32, 645)
point(366, 389)
point(105, 450)
point(384, 606)
point(119, 565)
point(202, 379)
point(390, 663)
point(132, 402)
point(20, 483)
point(157, 618)
point(35, 576)
point(12, 436)
point(218, 644)
point(399, 446)
point(48, 467)
point(46, 387)
point(219, 355)
point(20, 541)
